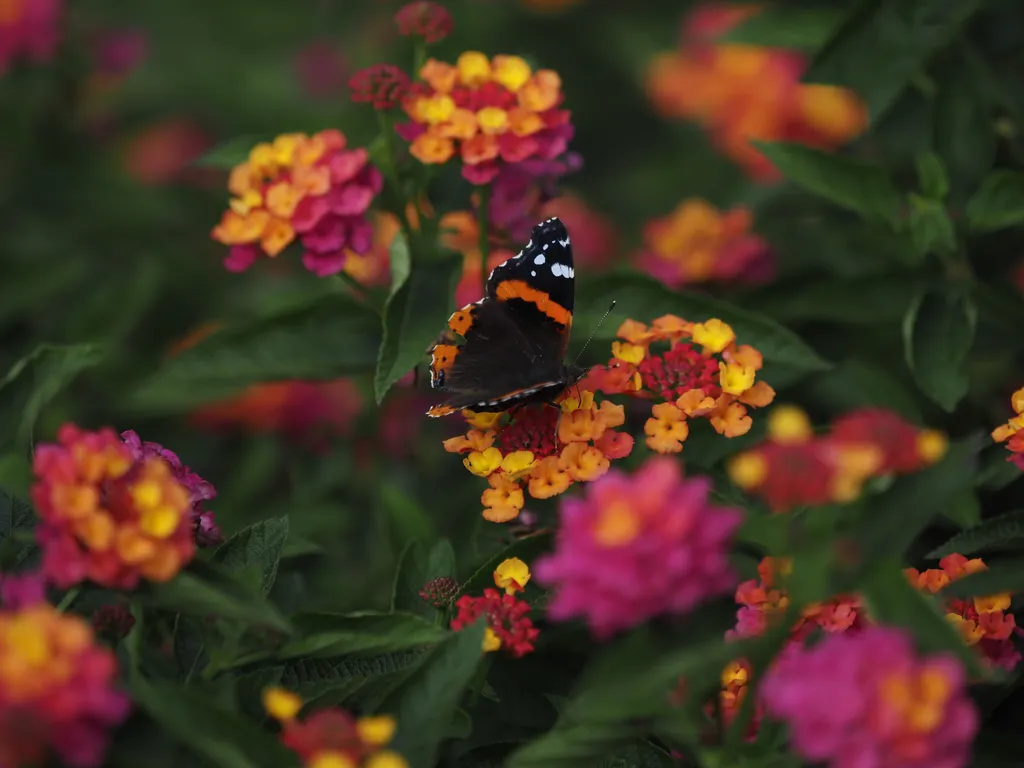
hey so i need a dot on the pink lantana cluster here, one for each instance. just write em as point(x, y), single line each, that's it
point(867, 699)
point(28, 29)
point(639, 546)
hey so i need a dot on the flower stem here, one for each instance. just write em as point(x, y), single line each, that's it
point(483, 224)
point(69, 598)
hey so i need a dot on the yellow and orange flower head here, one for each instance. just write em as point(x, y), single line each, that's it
point(106, 516)
point(310, 189)
point(796, 467)
point(697, 369)
point(490, 112)
point(332, 738)
point(696, 243)
point(984, 622)
point(542, 450)
point(743, 93)
point(55, 680)
point(1008, 432)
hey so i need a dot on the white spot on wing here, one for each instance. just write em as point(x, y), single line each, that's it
point(539, 259)
point(564, 243)
point(532, 273)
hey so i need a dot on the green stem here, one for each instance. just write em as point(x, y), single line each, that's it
point(69, 597)
point(483, 223)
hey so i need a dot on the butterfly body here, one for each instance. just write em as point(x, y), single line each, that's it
point(508, 349)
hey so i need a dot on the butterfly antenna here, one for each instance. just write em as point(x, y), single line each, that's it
point(594, 332)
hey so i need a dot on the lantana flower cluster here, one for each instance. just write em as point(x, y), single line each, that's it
point(115, 510)
point(509, 627)
point(29, 29)
point(984, 623)
point(795, 467)
point(1009, 432)
point(332, 738)
point(697, 243)
point(745, 93)
point(639, 546)
point(313, 189)
point(868, 698)
point(697, 370)
point(540, 449)
point(490, 112)
point(57, 689)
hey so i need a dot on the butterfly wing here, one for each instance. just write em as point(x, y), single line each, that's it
point(516, 336)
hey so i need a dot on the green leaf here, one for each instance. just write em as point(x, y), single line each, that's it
point(1001, 576)
point(891, 599)
point(861, 187)
point(363, 681)
point(416, 567)
point(884, 44)
point(895, 518)
point(938, 333)
point(425, 705)
point(856, 383)
point(640, 754)
point(224, 738)
point(414, 315)
point(931, 175)
point(330, 337)
point(1002, 532)
point(963, 132)
point(17, 519)
point(33, 382)
point(964, 508)
point(931, 229)
point(326, 635)
point(779, 27)
point(642, 298)
point(863, 301)
point(997, 471)
point(526, 549)
point(260, 545)
point(407, 519)
point(229, 153)
point(217, 594)
point(998, 204)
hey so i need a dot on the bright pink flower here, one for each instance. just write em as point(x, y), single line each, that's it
point(639, 546)
point(866, 700)
point(29, 29)
point(321, 69)
point(21, 590)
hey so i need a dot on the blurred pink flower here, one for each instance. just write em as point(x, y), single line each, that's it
point(117, 52)
point(639, 546)
point(161, 153)
point(866, 700)
point(29, 29)
point(321, 69)
point(595, 239)
point(21, 590)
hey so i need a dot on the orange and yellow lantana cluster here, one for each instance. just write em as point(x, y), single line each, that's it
point(540, 449)
point(715, 382)
point(1009, 432)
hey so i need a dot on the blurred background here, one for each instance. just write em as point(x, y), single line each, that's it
point(106, 218)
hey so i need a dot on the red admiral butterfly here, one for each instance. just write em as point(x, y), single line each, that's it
point(515, 338)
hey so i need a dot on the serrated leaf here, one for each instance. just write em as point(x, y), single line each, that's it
point(1001, 576)
point(858, 186)
point(425, 705)
point(214, 594)
point(895, 517)
point(33, 382)
point(526, 549)
point(931, 229)
point(224, 738)
point(259, 545)
point(781, 27)
point(998, 204)
point(891, 599)
point(642, 298)
point(414, 315)
point(1002, 532)
point(348, 681)
point(640, 754)
point(329, 337)
point(884, 44)
point(938, 333)
point(322, 635)
point(229, 153)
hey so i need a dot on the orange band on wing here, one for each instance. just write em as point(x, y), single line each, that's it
point(441, 410)
point(442, 357)
point(462, 320)
point(517, 289)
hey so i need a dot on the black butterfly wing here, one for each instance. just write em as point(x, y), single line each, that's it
point(515, 337)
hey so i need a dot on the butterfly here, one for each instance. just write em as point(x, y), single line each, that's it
point(514, 340)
